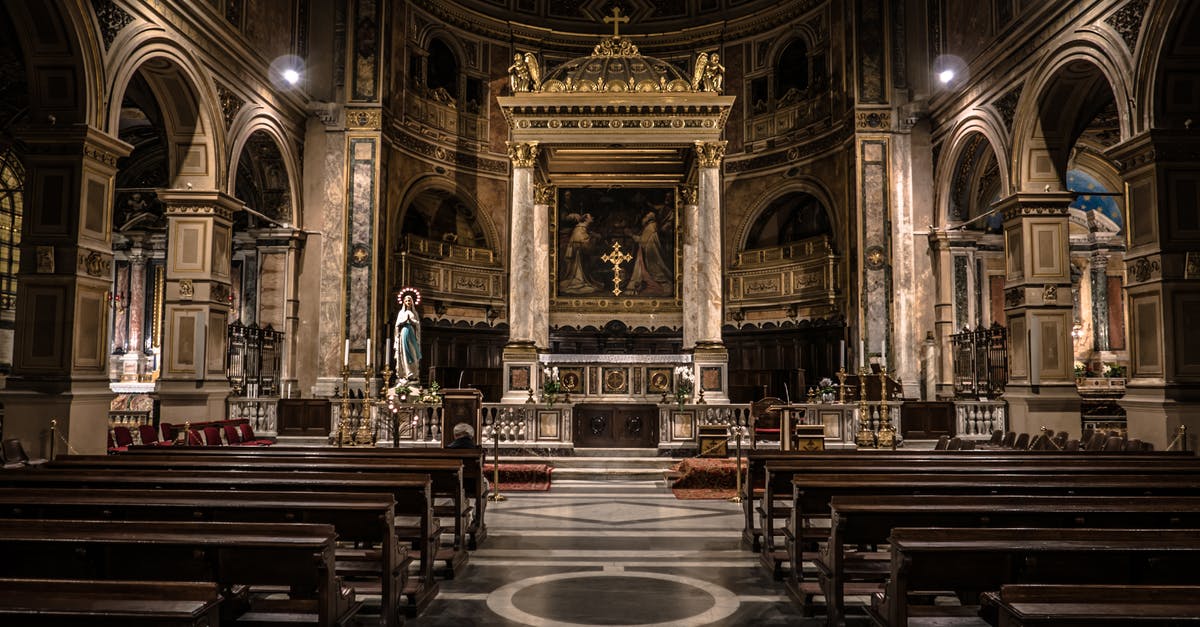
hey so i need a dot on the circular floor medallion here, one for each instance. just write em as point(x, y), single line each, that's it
point(586, 599)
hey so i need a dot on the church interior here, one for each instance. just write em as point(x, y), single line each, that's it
point(869, 280)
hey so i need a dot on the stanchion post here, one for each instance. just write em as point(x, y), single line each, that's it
point(53, 436)
point(737, 495)
point(495, 495)
point(343, 430)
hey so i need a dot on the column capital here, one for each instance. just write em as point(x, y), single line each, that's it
point(74, 140)
point(209, 203)
point(690, 194)
point(1033, 204)
point(544, 194)
point(710, 154)
point(522, 154)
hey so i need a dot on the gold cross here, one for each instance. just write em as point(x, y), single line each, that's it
point(616, 258)
point(616, 20)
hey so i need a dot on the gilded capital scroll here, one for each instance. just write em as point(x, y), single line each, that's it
point(710, 153)
point(690, 194)
point(522, 154)
point(543, 194)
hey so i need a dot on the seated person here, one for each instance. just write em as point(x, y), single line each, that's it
point(464, 436)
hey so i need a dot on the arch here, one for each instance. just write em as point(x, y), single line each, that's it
point(259, 120)
point(982, 124)
point(1164, 54)
point(438, 184)
point(187, 97)
point(443, 69)
point(795, 52)
point(61, 49)
point(805, 185)
point(1054, 105)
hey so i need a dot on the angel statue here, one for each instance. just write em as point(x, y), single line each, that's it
point(407, 336)
point(709, 74)
point(524, 74)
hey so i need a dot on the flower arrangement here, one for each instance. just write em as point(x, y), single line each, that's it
point(431, 395)
point(1113, 370)
point(685, 383)
point(825, 388)
point(1081, 369)
point(551, 384)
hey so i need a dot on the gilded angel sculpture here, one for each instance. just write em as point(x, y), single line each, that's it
point(709, 74)
point(524, 74)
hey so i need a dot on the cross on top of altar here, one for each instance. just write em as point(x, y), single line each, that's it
point(616, 20)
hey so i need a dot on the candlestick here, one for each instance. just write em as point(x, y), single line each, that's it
point(841, 354)
point(886, 436)
point(865, 438)
point(346, 355)
point(368, 352)
point(862, 354)
point(387, 353)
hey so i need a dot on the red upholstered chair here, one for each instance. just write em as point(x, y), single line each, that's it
point(122, 436)
point(248, 437)
point(232, 436)
point(212, 436)
point(194, 438)
point(149, 434)
point(765, 423)
point(167, 432)
point(112, 446)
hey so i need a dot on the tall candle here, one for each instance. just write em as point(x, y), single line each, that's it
point(883, 355)
point(862, 354)
point(842, 354)
point(368, 352)
point(346, 355)
point(387, 353)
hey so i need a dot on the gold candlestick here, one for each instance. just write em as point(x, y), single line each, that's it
point(841, 376)
point(886, 436)
point(343, 430)
point(865, 438)
point(365, 435)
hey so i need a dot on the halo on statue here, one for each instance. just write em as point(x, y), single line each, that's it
point(409, 291)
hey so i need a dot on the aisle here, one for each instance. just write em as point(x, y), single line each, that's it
point(612, 553)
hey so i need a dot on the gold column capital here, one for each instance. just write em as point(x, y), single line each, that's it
point(522, 154)
point(544, 194)
point(710, 153)
point(690, 194)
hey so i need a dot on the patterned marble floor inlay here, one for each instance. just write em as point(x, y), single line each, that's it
point(609, 553)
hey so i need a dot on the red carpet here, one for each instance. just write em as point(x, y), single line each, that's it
point(705, 479)
point(521, 477)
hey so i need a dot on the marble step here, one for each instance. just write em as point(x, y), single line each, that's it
point(608, 474)
point(609, 463)
point(616, 452)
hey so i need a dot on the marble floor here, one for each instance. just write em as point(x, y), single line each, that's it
point(612, 553)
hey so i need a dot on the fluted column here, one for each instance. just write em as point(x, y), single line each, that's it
point(527, 276)
point(704, 304)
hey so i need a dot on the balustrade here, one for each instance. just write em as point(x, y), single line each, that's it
point(978, 419)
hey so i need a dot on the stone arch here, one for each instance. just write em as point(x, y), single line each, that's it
point(63, 58)
point(1166, 65)
point(258, 124)
point(187, 97)
point(440, 185)
point(982, 127)
point(1062, 95)
point(806, 185)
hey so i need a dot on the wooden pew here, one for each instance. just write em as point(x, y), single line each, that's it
point(359, 517)
point(298, 556)
point(1033, 605)
point(414, 509)
point(474, 483)
point(973, 561)
point(890, 461)
point(868, 520)
point(92, 603)
point(446, 476)
point(778, 474)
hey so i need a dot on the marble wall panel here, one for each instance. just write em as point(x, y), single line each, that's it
point(360, 240)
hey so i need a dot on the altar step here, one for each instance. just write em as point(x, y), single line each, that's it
point(602, 464)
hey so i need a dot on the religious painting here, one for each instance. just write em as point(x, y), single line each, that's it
point(572, 379)
point(615, 248)
point(683, 425)
point(547, 425)
point(518, 377)
point(616, 381)
point(659, 380)
point(710, 378)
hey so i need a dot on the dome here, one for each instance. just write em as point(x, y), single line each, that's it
point(615, 66)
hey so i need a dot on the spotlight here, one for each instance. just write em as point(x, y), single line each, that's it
point(286, 71)
point(945, 76)
point(292, 76)
point(949, 70)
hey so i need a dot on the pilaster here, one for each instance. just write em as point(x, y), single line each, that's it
point(1041, 383)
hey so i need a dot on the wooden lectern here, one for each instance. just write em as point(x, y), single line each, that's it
point(461, 405)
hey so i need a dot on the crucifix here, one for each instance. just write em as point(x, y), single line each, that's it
point(616, 20)
point(616, 257)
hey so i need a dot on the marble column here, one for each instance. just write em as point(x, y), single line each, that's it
point(1099, 276)
point(520, 354)
point(688, 194)
point(539, 274)
point(133, 362)
point(60, 356)
point(192, 385)
point(1041, 383)
point(943, 375)
point(704, 306)
point(1160, 169)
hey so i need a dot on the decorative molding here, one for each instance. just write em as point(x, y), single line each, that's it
point(1025, 211)
point(177, 208)
point(1049, 293)
point(710, 154)
point(1006, 105)
point(219, 293)
point(94, 264)
point(1191, 267)
point(231, 103)
point(544, 194)
point(45, 259)
point(1128, 21)
point(690, 194)
point(100, 155)
point(112, 19)
point(186, 290)
point(1014, 297)
point(522, 154)
point(1145, 269)
point(875, 257)
point(469, 160)
point(873, 120)
point(364, 119)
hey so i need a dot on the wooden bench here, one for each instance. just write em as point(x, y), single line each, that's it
point(473, 477)
point(359, 517)
point(861, 520)
point(414, 510)
point(757, 485)
point(92, 603)
point(1029, 605)
point(972, 561)
point(446, 476)
point(299, 557)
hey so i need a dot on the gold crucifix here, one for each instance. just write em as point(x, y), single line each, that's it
point(616, 257)
point(616, 20)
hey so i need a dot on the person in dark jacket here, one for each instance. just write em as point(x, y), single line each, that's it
point(464, 436)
